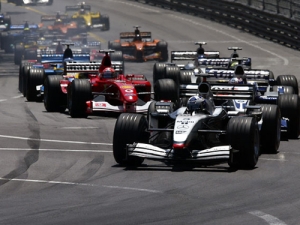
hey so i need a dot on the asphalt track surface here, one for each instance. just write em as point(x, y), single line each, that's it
point(59, 170)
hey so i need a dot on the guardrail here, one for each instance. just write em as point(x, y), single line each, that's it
point(288, 8)
point(271, 26)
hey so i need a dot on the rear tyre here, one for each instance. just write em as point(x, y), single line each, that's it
point(286, 89)
point(288, 80)
point(116, 46)
point(162, 47)
point(26, 69)
point(54, 99)
point(34, 78)
point(167, 90)
point(185, 76)
point(105, 21)
point(158, 71)
point(290, 108)
point(79, 91)
point(129, 128)
point(19, 50)
point(243, 136)
point(173, 72)
point(271, 128)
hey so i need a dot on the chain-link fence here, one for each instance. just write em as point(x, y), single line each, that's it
point(288, 8)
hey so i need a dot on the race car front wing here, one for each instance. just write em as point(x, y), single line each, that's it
point(153, 152)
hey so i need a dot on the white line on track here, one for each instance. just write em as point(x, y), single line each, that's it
point(81, 184)
point(283, 160)
point(19, 96)
point(268, 218)
point(285, 60)
point(78, 128)
point(58, 141)
point(56, 150)
point(3, 100)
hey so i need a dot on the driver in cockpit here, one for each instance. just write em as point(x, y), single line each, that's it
point(137, 35)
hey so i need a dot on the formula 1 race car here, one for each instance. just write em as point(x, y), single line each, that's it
point(138, 46)
point(63, 92)
point(5, 22)
point(31, 2)
point(16, 34)
point(197, 61)
point(91, 19)
point(62, 24)
point(32, 73)
point(282, 91)
point(199, 134)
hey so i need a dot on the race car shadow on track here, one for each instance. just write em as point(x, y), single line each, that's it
point(183, 168)
point(15, 13)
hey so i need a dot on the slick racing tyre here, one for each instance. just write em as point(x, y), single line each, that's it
point(158, 71)
point(130, 128)
point(243, 136)
point(172, 72)
point(166, 90)
point(285, 89)
point(270, 132)
point(288, 80)
point(54, 99)
point(25, 73)
point(118, 56)
point(18, 55)
point(115, 46)
point(290, 108)
point(104, 20)
point(271, 75)
point(162, 47)
point(30, 54)
point(21, 74)
point(185, 76)
point(79, 92)
point(34, 78)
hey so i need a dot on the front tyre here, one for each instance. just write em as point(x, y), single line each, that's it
point(243, 136)
point(130, 128)
point(79, 92)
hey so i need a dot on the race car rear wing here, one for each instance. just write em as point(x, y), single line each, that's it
point(222, 62)
point(90, 67)
point(53, 17)
point(128, 35)
point(94, 43)
point(58, 58)
point(192, 55)
point(22, 26)
point(77, 7)
point(253, 74)
point(221, 91)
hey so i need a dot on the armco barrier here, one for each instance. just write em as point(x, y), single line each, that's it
point(264, 24)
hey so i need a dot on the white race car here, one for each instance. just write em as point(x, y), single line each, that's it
point(31, 2)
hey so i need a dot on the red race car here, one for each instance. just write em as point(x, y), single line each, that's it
point(138, 46)
point(94, 87)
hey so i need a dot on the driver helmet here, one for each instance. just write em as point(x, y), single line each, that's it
point(236, 80)
point(82, 11)
point(189, 66)
point(109, 73)
point(200, 51)
point(196, 104)
point(233, 64)
point(58, 21)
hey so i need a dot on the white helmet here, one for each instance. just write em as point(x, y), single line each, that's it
point(236, 80)
point(196, 104)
